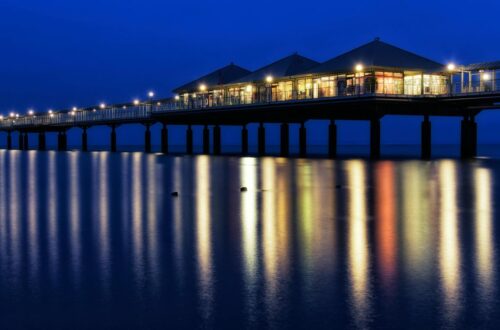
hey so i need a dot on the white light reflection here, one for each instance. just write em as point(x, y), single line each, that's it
point(15, 216)
point(178, 232)
point(248, 179)
point(358, 244)
point(74, 215)
point(204, 235)
point(153, 177)
point(449, 248)
point(52, 213)
point(137, 225)
point(32, 207)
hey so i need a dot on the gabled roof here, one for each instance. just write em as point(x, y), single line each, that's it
point(289, 66)
point(377, 54)
point(483, 66)
point(221, 76)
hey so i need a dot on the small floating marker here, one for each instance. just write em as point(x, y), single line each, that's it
point(243, 189)
point(175, 194)
point(338, 186)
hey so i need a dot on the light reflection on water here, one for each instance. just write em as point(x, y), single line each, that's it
point(97, 239)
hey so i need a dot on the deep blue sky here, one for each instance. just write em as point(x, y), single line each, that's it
point(60, 53)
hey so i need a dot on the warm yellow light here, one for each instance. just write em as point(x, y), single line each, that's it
point(249, 88)
point(136, 102)
point(1, 117)
point(269, 79)
point(194, 95)
point(486, 76)
point(50, 111)
point(73, 113)
point(12, 114)
point(102, 105)
point(151, 94)
point(359, 67)
point(203, 88)
point(31, 112)
point(51, 115)
point(177, 97)
point(451, 67)
point(74, 109)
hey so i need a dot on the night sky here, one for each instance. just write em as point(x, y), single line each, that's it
point(60, 53)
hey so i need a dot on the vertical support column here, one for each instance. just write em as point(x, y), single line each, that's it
point(9, 140)
point(426, 144)
point(332, 139)
point(375, 138)
point(64, 140)
point(217, 140)
point(164, 139)
point(464, 137)
point(59, 141)
point(244, 140)
point(206, 140)
point(147, 139)
point(113, 138)
point(262, 139)
point(26, 141)
point(85, 146)
point(473, 137)
point(285, 139)
point(41, 141)
point(189, 140)
point(302, 140)
point(21, 140)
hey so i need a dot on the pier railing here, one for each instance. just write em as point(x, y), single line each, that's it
point(210, 100)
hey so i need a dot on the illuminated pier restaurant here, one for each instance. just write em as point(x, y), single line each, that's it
point(367, 83)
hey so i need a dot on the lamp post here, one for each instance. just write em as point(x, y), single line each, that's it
point(451, 67)
point(359, 69)
point(203, 90)
point(269, 81)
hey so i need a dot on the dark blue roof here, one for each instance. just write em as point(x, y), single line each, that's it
point(221, 76)
point(289, 66)
point(377, 54)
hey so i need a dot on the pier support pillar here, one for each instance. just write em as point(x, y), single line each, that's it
point(41, 141)
point(302, 140)
point(375, 138)
point(217, 140)
point(62, 143)
point(84, 139)
point(244, 140)
point(164, 139)
point(147, 139)
point(206, 140)
point(332, 139)
point(262, 139)
point(21, 140)
point(468, 138)
point(26, 141)
point(189, 140)
point(113, 138)
point(9, 140)
point(285, 140)
point(426, 144)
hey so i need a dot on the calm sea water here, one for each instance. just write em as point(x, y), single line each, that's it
point(97, 240)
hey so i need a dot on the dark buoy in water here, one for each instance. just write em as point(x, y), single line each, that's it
point(338, 186)
point(175, 194)
point(243, 189)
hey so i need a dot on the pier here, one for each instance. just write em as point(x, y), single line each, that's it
point(368, 83)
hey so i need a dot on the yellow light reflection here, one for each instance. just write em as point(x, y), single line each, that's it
point(484, 249)
point(137, 228)
point(449, 247)
point(103, 219)
point(178, 238)
point(358, 244)
point(204, 234)
point(153, 177)
point(15, 212)
point(52, 212)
